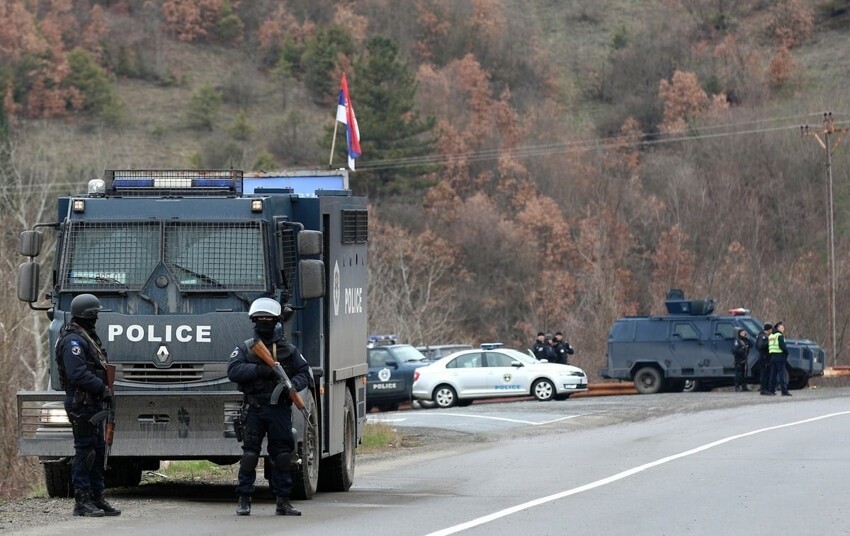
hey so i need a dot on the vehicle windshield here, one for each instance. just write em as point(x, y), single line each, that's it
point(200, 256)
point(752, 326)
point(406, 354)
point(519, 356)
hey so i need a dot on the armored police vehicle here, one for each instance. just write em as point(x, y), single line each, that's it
point(692, 346)
point(176, 258)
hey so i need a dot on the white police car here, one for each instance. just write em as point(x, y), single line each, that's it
point(491, 372)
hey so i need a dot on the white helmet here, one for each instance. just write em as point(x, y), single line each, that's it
point(264, 307)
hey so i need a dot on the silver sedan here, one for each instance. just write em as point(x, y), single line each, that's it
point(465, 376)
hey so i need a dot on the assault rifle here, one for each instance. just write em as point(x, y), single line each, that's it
point(107, 414)
point(283, 381)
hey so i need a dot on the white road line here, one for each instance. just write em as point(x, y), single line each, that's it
point(619, 476)
point(505, 419)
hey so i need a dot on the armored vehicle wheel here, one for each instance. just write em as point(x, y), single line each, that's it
point(648, 381)
point(445, 396)
point(57, 478)
point(305, 476)
point(337, 472)
point(543, 390)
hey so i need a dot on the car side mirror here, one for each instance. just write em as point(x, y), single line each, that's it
point(392, 363)
point(519, 364)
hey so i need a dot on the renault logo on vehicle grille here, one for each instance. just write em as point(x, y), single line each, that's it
point(162, 355)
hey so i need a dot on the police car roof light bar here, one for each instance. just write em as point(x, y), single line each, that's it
point(211, 182)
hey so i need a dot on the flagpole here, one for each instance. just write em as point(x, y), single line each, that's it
point(333, 144)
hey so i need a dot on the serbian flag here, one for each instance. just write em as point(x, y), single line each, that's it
point(345, 115)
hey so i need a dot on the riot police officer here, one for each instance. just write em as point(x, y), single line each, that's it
point(740, 355)
point(562, 348)
point(538, 348)
point(82, 362)
point(257, 381)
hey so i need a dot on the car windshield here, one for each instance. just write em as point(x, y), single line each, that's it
point(408, 353)
point(519, 356)
point(201, 255)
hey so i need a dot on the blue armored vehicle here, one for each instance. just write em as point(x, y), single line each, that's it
point(691, 349)
point(176, 258)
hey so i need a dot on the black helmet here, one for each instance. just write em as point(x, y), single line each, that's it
point(85, 306)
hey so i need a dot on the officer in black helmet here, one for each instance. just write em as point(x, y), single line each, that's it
point(257, 381)
point(81, 360)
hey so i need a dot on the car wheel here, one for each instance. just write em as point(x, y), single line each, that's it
point(695, 386)
point(445, 396)
point(648, 381)
point(393, 406)
point(543, 390)
point(426, 404)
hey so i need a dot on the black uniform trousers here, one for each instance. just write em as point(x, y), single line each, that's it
point(263, 420)
point(89, 447)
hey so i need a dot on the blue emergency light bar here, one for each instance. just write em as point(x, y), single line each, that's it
point(173, 182)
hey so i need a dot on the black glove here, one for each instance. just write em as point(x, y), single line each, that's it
point(264, 371)
point(106, 397)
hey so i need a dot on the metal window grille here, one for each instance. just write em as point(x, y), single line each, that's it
point(286, 255)
point(355, 226)
point(100, 256)
point(216, 256)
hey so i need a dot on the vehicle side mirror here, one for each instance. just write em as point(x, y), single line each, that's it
point(392, 363)
point(311, 274)
point(519, 364)
point(28, 282)
point(309, 243)
point(30, 243)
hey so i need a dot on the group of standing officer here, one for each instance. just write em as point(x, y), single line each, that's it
point(772, 358)
point(552, 349)
point(82, 361)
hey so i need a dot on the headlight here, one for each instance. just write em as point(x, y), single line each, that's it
point(53, 416)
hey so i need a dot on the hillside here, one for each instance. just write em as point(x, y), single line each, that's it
point(545, 165)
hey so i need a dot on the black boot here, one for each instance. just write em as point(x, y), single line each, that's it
point(285, 509)
point(83, 505)
point(98, 500)
point(244, 508)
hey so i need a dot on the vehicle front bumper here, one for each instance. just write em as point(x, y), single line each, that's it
point(157, 424)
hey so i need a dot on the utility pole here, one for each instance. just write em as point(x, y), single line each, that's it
point(823, 138)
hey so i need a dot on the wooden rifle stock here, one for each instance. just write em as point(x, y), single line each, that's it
point(107, 414)
point(263, 353)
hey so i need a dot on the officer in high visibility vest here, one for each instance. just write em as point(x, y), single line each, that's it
point(778, 356)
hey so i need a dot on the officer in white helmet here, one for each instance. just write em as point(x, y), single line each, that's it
point(257, 381)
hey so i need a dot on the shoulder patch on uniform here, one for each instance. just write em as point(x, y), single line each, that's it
point(75, 348)
point(234, 354)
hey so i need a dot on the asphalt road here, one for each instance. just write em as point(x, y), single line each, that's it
point(688, 463)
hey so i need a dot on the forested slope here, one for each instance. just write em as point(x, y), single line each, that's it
point(541, 165)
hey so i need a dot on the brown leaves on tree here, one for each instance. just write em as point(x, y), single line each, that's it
point(685, 100)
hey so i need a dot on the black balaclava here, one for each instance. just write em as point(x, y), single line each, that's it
point(86, 323)
point(265, 328)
